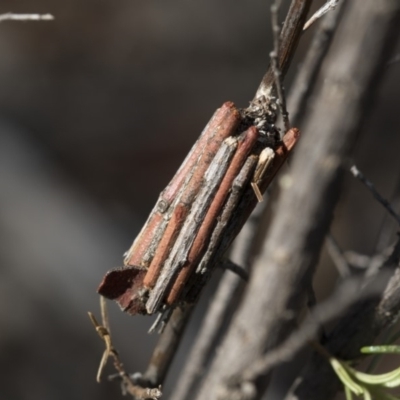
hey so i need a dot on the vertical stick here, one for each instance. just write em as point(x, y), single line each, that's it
point(290, 35)
point(167, 345)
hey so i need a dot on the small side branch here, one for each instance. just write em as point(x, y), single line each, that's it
point(359, 175)
point(241, 272)
point(228, 289)
point(328, 6)
point(348, 293)
point(137, 392)
point(337, 256)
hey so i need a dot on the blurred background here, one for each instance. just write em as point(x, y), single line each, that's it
point(97, 110)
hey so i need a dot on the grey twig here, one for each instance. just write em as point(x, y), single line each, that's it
point(236, 269)
point(274, 63)
point(289, 38)
point(394, 60)
point(328, 6)
point(216, 314)
point(306, 77)
point(359, 175)
point(349, 292)
point(359, 327)
point(161, 321)
point(25, 17)
point(285, 267)
point(356, 91)
point(167, 345)
point(337, 256)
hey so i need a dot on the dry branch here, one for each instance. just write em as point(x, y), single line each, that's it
point(166, 346)
point(289, 39)
point(360, 327)
point(306, 77)
point(359, 74)
point(163, 247)
point(228, 289)
point(283, 271)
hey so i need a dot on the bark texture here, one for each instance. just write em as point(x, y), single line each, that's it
point(283, 271)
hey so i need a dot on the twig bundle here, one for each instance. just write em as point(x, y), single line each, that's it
point(200, 212)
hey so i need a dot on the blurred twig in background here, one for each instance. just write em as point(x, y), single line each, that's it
point(25, 17)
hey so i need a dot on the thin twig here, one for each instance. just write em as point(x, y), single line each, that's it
point(290, 36)
point(328, 6)
point(104, 313)
point(306, 77)
point(274, 62)
point(161, 320)
point(359, 175)
point(167, 346)
point(217, 312)
point(348, 292)
point(337, 256)
point(362, 261)
point(136, 391)
point(25, 17)
point(394, 60)
point(360, 326)
point(241, 272)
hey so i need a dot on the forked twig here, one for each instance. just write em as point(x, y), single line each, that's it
point(105, 335)
point(136, 391)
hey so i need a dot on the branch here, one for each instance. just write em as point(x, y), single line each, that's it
point(337, 256)
point(290, 36)
point(218, 310)
point(306, 77)
point(360, 327)
point(274, 63)
point(136, 391)
point(348, 51)
point(349, 292)
point(282, 273)
point(167, 346)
